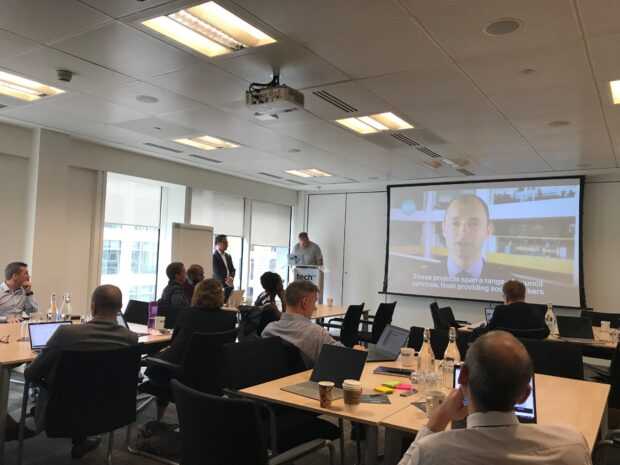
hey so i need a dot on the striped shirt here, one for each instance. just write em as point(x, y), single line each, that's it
point(302, 333)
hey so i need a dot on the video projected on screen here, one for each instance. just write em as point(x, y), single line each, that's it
point(465, 240)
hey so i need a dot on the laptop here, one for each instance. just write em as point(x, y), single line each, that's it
point(40, 333)
point(526, 412)
point(488, 313)
point(235, 298)
point(575, 328)
point(120, 319)
point(334, 364)
point(389, 344)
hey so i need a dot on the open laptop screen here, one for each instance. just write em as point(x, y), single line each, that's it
point(40, 333)
point(526, 412)
point(337, 363)
point(488, 313)
point(392, 339)
point(575, 327)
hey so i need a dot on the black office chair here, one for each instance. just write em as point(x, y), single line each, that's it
point(439, 341)
point(555, 358)
point(607, 451)
point(94, 392)
point(255, 362)
point(348, 326)
point(446, 315)
point(437, 322)
point(294, 361)
point(137, 312)
point(597, 317)
point(537, 333)
point(613, 401)
point(228, 430)
point(379, 321)
point(171, 314)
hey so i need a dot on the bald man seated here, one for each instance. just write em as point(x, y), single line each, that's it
point(495, 376)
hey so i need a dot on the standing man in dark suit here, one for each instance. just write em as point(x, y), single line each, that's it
point(100, 333)
point(223, 268)
point(515, 313)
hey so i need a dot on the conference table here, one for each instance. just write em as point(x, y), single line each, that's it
point(580, 404)
point(322, 311)
point(16, 352)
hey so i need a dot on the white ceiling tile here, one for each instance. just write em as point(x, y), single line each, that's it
point(424, 88)
point(557, 64)
point(419, 6)
point(126, 94)
point(303, 21)
point(485, 149)
point(93, 108)
point(41, 64)
point(605, 58)
point(106, 132)
point(398, 167)
point(10, 102)
point(517, 162)
point(460, 28)
point(595, 143)
point(48, 117)
point(581, 120)
point(249, 113)
point(600, 17)
point(157, 128)
point(118, 8)
point(11, 44)
point(204, 83)
point(127, 50)
point(575, 160)
point(298, 67)
point(362, 53)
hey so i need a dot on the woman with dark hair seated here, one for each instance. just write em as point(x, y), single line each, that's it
point(273, 286)
point(204, 316)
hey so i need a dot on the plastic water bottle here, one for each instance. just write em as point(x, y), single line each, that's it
point(550, 319)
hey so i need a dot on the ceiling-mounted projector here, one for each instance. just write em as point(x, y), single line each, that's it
point(273, 98)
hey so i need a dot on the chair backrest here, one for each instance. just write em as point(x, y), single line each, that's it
point(416, 338)
point(254, 362)
point(350, 325)
point(606, 452)
point(437, 323)
point(383, 317)
point(597, 317)
point(439, 341)
point(614, 380)
point(93, 392)
point(137, 312)
point(171, 314)
point(217, 430)
point(537, 333)
point(294, 361)
point(555, 358)
point(446, 315)
point(203, 363)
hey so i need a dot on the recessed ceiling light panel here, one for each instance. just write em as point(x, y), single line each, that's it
point(209, 29)
point(308, 173)
point(615, 91)
point(25, 89)
point(375, 123)
point(207, 143)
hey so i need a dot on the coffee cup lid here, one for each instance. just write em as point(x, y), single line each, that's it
point(353, 383)
point(326, 383)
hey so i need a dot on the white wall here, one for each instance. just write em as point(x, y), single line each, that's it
point(363, 251)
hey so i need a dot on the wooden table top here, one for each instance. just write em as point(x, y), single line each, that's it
point(579, 404)
point(19, 351)
point(367, 413)
point(323, 311)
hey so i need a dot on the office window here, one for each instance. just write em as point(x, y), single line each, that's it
point(144, 255)
point(111, 258)
point(262, 259)
point(144, 293)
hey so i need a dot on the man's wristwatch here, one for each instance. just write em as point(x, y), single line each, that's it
point(29, 293)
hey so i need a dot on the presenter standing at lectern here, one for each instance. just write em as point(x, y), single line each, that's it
point(310, 251)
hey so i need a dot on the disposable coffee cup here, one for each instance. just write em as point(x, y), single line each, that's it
point(330, 302)
point(159, 322)
point(326, 392)
point(352, 391)
point(433, 400)
point(407, 356)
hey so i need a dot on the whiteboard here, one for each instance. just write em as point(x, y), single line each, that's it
point(191, 244)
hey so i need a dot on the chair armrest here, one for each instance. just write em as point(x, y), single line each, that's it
point(463, 322)
point(154, 361)
point(613, 434)
point(300, 451)
point(330, 325)
point(367, 322)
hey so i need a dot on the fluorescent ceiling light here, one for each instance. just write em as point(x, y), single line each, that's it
point(615, 91)
point(207, 143)
point(25, 89)
point(308, 173)
point(209, 29)
point(374, 123)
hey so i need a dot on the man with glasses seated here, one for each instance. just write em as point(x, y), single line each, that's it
point(100, 333)
point(495, 377)
point(16, 294)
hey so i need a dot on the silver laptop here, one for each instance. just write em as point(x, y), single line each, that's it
point(488, 313)
point(40, 333)
point(236, 298)
point(334, 364)
point(389, 344)
point(122, 321)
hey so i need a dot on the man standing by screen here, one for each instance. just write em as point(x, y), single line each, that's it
point(310, 251)
point(223, 268)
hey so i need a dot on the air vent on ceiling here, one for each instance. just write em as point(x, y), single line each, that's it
point(161, 147)
point(465, 172)
point(269, 175)
point(200, 157)
point(405, 139)
point(429, 152)
point(329, 98)
point(297, 182)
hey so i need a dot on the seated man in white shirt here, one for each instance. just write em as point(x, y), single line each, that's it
point(494, 378)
